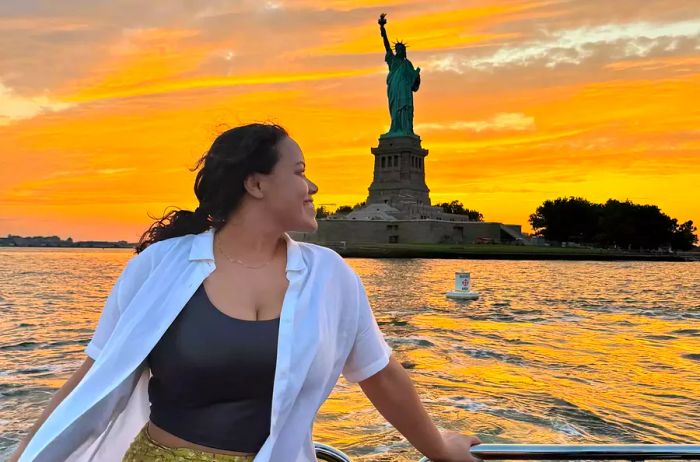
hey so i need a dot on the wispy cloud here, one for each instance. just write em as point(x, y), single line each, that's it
point(499, 122)
point(25, 24)
point(173, 86)
point(678, 63)
point(574, 46)
point(15, 107)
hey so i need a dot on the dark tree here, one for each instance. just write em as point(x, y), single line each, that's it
point(684, 237)
point(343, 210)
point(457, 208)
point(321, 212)
point(572, 219)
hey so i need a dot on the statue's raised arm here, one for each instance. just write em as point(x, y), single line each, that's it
point(382, 22)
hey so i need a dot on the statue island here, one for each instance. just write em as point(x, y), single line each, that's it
point(398, 207)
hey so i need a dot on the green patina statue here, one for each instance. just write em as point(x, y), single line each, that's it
point(401, 82)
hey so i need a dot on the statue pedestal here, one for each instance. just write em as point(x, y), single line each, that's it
point(389, 136)
point(399, 172)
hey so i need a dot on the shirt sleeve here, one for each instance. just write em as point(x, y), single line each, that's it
point(370, 352)
point(109, 317)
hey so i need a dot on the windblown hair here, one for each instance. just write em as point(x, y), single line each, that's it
point(235, 154)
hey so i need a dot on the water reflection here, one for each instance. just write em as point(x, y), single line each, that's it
point(552, 352)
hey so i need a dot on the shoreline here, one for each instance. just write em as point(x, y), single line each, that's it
point(467, 251)
point(500, 252)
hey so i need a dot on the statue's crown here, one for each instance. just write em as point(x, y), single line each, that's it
point(399, 42)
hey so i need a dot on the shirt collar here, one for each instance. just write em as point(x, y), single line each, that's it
point(203, 249)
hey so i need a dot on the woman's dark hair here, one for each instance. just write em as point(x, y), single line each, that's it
point(235, 154)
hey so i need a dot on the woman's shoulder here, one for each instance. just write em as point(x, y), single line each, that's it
point(151, 256)
point(327, 260)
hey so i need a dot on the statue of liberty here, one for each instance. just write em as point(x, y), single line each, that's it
point(401, 82)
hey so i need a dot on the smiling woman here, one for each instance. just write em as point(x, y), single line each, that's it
point(223, 336)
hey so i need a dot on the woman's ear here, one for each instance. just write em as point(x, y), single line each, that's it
point(253, 184)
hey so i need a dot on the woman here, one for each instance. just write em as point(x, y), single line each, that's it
point(223, 336)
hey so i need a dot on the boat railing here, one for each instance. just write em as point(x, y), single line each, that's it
point(330, 454)
point(632, 452)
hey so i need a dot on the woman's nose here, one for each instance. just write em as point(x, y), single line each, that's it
point(313, 189)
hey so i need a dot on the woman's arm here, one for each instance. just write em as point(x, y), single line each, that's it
point(392, 392)
point(62, 392)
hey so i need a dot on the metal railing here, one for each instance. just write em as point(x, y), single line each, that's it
point(330, 454)
point(633, 452)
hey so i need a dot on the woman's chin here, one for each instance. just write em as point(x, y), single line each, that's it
point(310, 225)
point(313, 226)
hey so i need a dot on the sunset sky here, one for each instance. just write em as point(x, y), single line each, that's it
point(104, 105)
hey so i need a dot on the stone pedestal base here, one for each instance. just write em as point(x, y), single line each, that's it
point(399, 172)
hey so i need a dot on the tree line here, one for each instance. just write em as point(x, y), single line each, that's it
point(613, 224)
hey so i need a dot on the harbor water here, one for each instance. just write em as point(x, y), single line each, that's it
point(553, 352)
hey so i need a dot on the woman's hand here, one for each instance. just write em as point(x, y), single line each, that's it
point(458, 447)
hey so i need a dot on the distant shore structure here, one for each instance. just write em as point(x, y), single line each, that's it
point(398, 208)
point(55, 241)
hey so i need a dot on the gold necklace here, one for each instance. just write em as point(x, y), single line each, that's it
point(235, 260)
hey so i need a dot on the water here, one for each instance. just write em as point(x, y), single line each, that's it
point(553, 352)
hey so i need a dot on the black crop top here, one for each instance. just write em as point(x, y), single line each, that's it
point(213, 376)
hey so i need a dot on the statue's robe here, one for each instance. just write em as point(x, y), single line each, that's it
point(401, 83)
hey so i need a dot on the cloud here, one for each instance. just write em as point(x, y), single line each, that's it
point(574, 46)
point(499, 122)
point(677, 63)
point(16, 107)
point(32, 24)
point(270, 5)
point(184, 85)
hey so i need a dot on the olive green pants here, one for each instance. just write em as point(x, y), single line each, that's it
point(144, 449)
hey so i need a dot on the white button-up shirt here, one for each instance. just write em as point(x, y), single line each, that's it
point(326, 328)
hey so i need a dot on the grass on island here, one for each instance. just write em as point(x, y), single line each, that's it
point(497, 248)
point(498, 251)
point(474, 248)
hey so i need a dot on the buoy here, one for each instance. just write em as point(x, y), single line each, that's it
point(462, 290)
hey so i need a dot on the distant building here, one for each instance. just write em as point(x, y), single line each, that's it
point(55, 241)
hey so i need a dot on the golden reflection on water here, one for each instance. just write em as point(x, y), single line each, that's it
point(552, 352)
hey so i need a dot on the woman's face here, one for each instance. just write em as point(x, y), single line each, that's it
point(288, 190)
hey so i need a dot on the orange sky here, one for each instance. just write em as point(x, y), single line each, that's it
point(103, 107)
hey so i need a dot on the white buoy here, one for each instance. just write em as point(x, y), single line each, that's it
point(462, 290)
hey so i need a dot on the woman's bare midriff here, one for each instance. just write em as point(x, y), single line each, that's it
point(165, 438)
